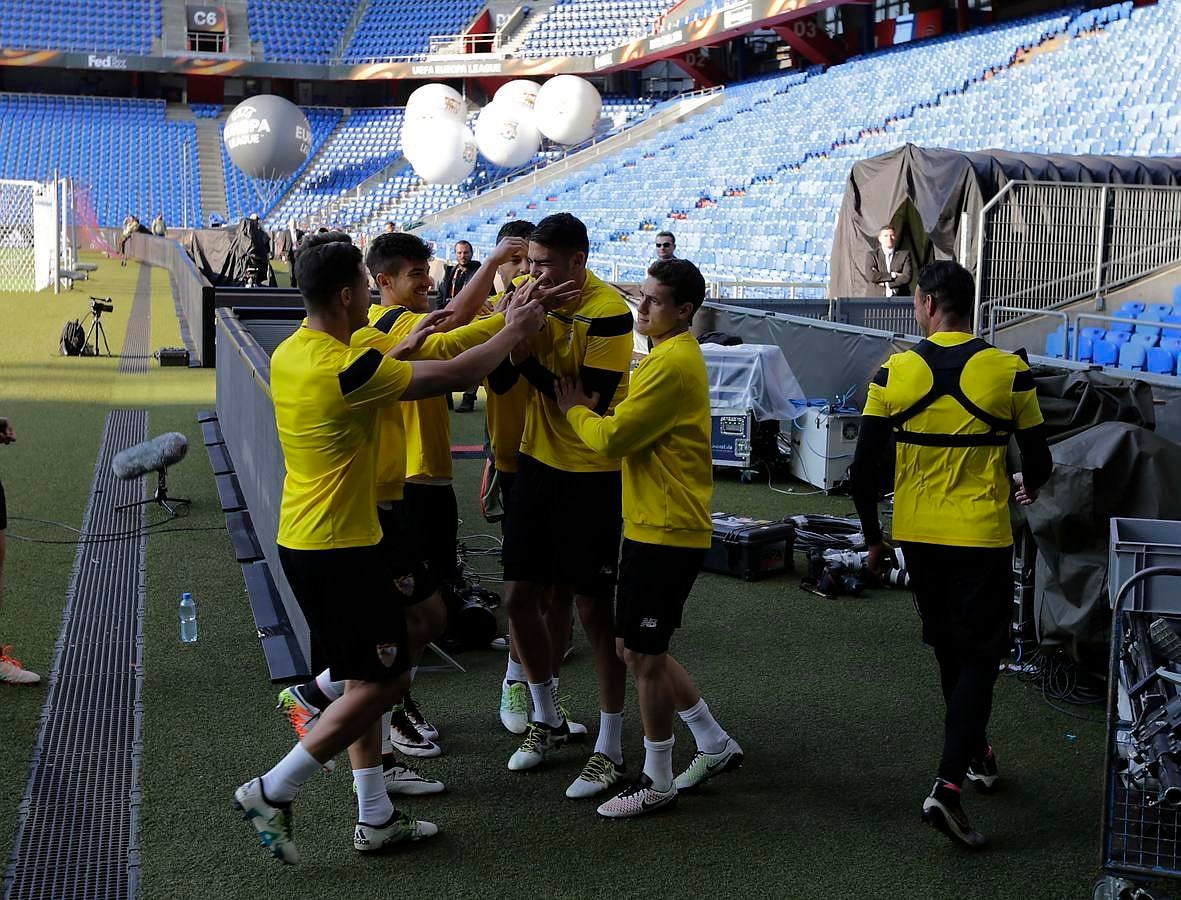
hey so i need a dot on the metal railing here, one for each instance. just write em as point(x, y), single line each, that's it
point(1041, 245)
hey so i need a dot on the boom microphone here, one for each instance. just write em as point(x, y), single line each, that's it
point(155, 455)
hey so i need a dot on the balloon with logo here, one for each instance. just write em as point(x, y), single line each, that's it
point(567, 109)
point(506, 135)
point(441, 151)
point(435, 101)
point(267, 137)
point(520, 92)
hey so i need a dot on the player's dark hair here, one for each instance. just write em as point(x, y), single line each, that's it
point(519, 228)
point(389, 252)
point(562, 232)
point(951, 285)
point(325, 264)
point(684, 280)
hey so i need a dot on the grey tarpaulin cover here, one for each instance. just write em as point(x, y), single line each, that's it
point(1111, 469)
point(930, 194)
point(222, 254)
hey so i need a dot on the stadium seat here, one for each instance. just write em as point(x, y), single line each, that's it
point(1086, 345)
point(1118, 337)
point(1132, 356)
point(1106, 353)
point(1161, 361)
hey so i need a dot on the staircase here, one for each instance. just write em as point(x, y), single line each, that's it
point(536, 15)
point(354, 24)
point(213, 174)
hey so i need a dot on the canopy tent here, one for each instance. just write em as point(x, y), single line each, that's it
point(933, 198)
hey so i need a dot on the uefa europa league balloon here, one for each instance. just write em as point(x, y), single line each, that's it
point(267, 137)
point(567, 109)
point(520, 91)
point(435, 101)
point(441, 151)
point(506, 134)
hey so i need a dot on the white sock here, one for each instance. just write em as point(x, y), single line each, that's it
point(555, 681)
point(544, 708)
point(333, 690)
point(610, 739)
point(387, 745)
point(710, 736)
point(413, 672)
point(658, 763)
point(515, 671)
point(373, 803)
point(281, 783)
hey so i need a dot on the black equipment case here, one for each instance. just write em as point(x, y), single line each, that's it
point(750, 548)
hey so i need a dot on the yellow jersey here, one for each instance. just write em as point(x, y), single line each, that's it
point(593, 336)
point(328, 397)
point(953, 402)
point(661, 431)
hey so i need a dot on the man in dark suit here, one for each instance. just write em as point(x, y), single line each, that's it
point(454, 278)
point(888, 269)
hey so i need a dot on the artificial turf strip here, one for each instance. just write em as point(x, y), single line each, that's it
point(835, 703)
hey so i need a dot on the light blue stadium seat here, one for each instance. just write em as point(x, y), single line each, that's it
point(1105, 353)
point(1161, 361)
point(1132, 356)
point(1118, 337)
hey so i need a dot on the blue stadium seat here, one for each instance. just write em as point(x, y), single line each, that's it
point(1172, 344)
point(1106, 353)
point(1145, 338)
point(1086, 345)
point(1161, 361)
point(1118, 337)
point(1132, 356)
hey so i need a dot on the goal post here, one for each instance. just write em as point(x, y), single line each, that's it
point(36, 234)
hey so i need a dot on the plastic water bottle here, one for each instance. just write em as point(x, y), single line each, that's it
point(188, 618)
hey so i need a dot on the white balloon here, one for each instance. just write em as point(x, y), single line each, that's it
point(442, 152)
point(521, 92)
point(436, 101)
point(506, 135)
point(567, 109)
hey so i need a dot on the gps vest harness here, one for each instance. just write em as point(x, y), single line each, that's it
point(947, 365)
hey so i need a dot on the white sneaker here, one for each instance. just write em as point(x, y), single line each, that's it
point(404, 780)
point(418, 720)
point(409, 740)
point(539, 740)
point(12, 672)
point(705, 766)
point(638, 799)
point(400, 829)
point(597, 776)
point(273, 823)
point(515, 706)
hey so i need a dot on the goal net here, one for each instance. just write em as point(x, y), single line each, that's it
point(36, 238)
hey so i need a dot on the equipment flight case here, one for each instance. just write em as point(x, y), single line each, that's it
point(750, 549)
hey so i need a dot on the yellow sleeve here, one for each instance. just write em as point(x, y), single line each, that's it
point(452, 343)
point(1026, 411)
point(612, 354)
point(876, 403)
point(371, 337)
point(371, 379)
point(650, 409)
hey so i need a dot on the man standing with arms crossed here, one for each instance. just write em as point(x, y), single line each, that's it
point(327, 396)
point(564, 529)
point(952, 404)
point(661, 431)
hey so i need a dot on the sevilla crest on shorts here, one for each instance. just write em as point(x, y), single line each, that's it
point(387, 654)
point(405, 585)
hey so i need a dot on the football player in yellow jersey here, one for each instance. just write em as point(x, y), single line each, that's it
point(564, 531)
point(661, 431)
point(327, 396)
point(507, 394)
point(953, 403)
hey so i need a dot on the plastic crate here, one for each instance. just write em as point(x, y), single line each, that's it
point(1137, 544)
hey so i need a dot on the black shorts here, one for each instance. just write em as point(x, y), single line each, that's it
point(654, 583)
point(433, 515)
point(351, 605)
point(564, 528)
point(403, 555)
point(3, 509)
point(964, 595)
point(507, 480)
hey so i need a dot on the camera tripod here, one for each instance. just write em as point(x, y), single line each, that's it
point(171, 504)
point(96, 332)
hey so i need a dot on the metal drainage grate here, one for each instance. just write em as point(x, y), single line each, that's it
point(77, 830)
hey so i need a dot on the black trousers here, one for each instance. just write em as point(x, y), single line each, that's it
point(967, 684)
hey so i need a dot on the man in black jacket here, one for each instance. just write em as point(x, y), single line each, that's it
point(454, 278)
point(952, 404)
point(888, 269)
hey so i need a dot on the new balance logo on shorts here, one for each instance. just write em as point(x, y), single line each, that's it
point(387, 654)
point(648, 622)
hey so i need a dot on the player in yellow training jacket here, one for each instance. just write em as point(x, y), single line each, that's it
point(661, 431)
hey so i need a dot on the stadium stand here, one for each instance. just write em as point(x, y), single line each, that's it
point(126, 26)
point(242, 198)
point(125, 152)
point(304, 32)
point(752, 187)
point(401, 28)
point(587, 27)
